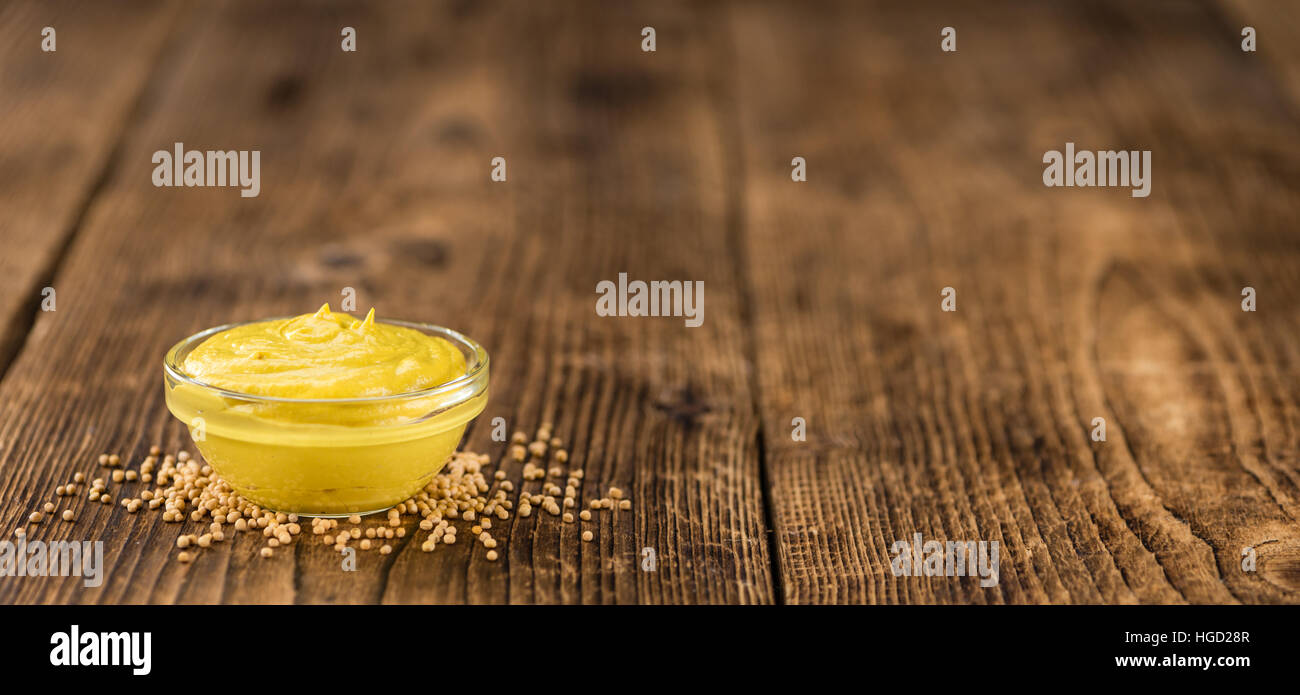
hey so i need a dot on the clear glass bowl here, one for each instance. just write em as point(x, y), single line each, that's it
point(328, 456)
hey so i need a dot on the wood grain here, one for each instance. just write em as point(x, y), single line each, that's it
point(924, 173)
point(375, 177)
point(822, 297)
point(62, 113)
point(1277, 34)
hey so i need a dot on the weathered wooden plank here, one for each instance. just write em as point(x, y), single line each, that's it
point(1277, 35)
point(924, 172)
point(375, 176)
point(62, 113)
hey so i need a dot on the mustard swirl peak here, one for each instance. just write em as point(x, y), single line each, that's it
point(324, 355)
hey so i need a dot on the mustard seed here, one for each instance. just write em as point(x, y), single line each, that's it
point(184, 557)
point(68, 515)
point(492, 555)
point(267, 552)
point(587, 536)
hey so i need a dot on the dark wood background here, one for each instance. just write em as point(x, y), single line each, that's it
point(822, 298)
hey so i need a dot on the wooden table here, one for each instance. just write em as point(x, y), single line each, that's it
point(822, 298)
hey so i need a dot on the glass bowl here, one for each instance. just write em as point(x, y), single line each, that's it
point(328, 456)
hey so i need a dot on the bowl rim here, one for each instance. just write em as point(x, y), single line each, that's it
point(475, 373)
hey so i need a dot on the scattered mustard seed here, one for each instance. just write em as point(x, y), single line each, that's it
point(463, 490)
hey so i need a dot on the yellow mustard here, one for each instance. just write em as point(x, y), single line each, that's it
point(324, 413)
point(324, 355)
